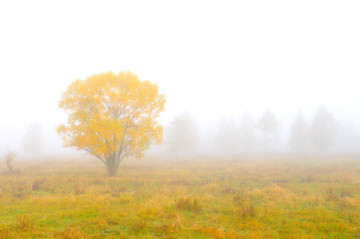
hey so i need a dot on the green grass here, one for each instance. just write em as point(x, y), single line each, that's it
point(205, 197)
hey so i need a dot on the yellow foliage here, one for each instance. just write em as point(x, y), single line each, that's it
point(112, 116)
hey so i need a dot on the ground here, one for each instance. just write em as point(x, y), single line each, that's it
point(279, 196)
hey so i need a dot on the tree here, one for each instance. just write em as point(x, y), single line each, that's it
point(111, 117)
point(182, 134)
point(10, 156)
point(32, 143)
point(247, 133)
point(300, 134)
point(323, 129)
point(268, 125)
point(227, 137)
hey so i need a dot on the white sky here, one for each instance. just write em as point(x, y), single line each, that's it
point(211, 58)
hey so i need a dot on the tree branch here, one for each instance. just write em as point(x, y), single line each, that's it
point(91, 152)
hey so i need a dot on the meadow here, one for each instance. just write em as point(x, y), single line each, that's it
point(279, 196)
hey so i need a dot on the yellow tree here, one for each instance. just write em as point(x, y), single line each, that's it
point(111, 116)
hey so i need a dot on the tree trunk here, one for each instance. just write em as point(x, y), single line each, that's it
point(9, 166)
point(111, 166)
point(266, 142)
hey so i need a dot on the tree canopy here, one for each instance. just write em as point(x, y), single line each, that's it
point(182, 135)
point(323, 129)
point(300, 134)
point(111, 116)
point(268, 125)
point(32, 142)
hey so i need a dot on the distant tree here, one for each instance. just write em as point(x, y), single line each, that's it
point(32, 143)
point(347, 136)
point(207, 141)
point(299, 134)
point(10, 156)
point(247, 128)
point(323, 129)
point(268, 125)
point(182, 135)
point(227, 137)
point(112, 117)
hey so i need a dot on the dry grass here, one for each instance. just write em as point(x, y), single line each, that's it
point(205, 197)
point(188, 203)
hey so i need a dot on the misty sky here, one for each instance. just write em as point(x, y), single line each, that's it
point(212, 58)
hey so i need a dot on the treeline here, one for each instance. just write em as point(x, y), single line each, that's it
point(183, 135)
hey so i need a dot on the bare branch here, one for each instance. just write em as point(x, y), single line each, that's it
point(96, 155)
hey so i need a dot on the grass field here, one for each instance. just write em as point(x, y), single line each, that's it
point(203, 197)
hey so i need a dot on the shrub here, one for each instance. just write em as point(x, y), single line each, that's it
point(78, 190)
point(38, 184)
point(69, 233)
point(137, 227)
point(248, 211)
point(227, 190)
point(346, 192)
point(23, 223)
point(164, 229)
point(240, 199)
point(188, 203)
point(331, 196)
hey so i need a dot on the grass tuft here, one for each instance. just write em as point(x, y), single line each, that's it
point(188, 203)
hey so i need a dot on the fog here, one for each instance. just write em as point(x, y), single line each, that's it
point(222, 67)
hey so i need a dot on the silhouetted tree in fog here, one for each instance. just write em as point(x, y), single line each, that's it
point(323, 129)
point(300, 134)
point(32, 143)
point(182, 135)
point(227, 137)
point(247, 133)
point(268, 125)
point(347, 136)
point(10, 156)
